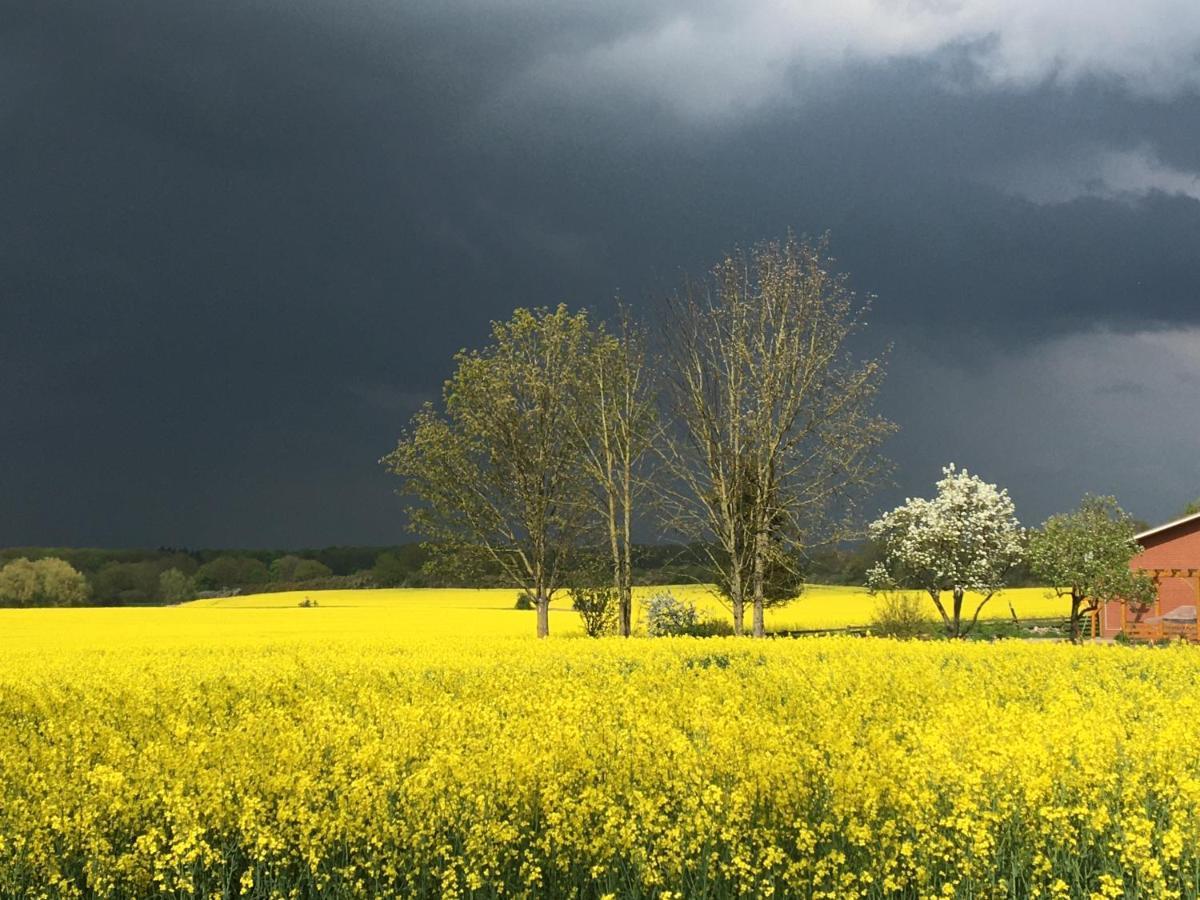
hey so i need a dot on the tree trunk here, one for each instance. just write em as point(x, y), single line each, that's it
point(737, 588)
point(935, 595)
point(1075, 601)
point(759, 629)
point(543, 615)
point(978, 610)
point(956, 630)
point(614, 545)
point(626, 591)
point(737, 598)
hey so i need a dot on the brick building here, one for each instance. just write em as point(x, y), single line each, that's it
point(1171, 555)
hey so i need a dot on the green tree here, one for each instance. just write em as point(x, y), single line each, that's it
point(781, 580)
point(226, 572)
point(19, 583)
point(1085, 555)
point(390, 570)
point(310, 570)
point(283, 568)
point(61, 584)
point(46, 582)
point(125, 582)
point(497, 475)
point(292, 568)
point(175, 587)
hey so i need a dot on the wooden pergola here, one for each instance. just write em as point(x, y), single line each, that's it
point(1159, 629)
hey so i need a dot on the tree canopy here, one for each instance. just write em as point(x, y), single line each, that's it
point(497, 473)
point(43, 582)
point(1085, 555)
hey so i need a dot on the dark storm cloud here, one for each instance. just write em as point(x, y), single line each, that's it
point(241, 240)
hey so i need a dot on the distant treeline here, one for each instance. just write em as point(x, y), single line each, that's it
point(171, 574)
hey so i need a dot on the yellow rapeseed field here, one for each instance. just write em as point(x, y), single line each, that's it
point(370, 750)
point(487, 611)
point(252, 620)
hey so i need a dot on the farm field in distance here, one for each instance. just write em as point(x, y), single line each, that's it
point(487, 610)
point(390, 614)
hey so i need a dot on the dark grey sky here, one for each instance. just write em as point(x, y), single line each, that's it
point(242, 239)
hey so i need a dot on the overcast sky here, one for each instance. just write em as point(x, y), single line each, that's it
point(242, 238)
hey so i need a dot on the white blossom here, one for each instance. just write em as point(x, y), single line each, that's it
point(965, 539)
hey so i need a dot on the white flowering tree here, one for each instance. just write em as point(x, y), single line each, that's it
point(965, 540)
point(1085, 554)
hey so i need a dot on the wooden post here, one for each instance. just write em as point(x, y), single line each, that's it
point(1197, 587)
point(1158, 606)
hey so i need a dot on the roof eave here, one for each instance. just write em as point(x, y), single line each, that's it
point(1166, 526)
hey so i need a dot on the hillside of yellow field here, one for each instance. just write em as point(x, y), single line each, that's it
point(820, 607)
point(384, 615)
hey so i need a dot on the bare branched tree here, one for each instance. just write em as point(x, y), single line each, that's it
point(774, 434)
point(615, 422)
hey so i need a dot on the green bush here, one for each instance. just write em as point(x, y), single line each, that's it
point(899, 615)
point(712, 628)
point(597, 607)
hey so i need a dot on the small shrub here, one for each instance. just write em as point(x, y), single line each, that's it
point(308, 603)
point(597, 607)
point(524, 601)
point(711, 628)
point(667, 615)
point(899, 615)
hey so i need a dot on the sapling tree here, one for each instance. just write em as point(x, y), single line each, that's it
point(1085, 555)
point(964, 540)
point(597, 606)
